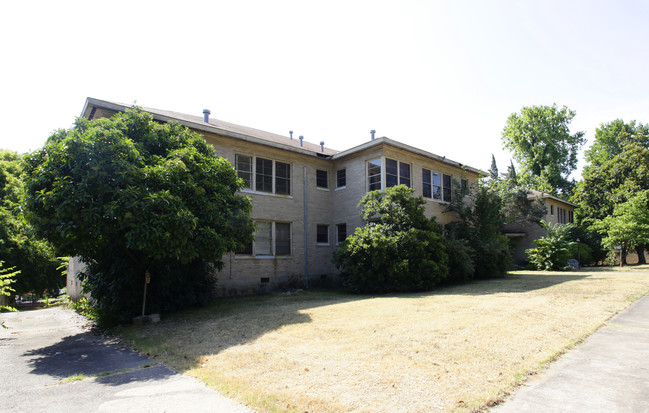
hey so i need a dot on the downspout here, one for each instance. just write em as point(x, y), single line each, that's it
point(306, 238)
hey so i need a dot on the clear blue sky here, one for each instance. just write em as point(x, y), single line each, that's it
point(439, 75)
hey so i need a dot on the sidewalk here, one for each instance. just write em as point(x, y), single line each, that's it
point(608, 372)
point(51, 363)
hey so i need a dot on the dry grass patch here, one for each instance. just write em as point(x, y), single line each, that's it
point(455, 349)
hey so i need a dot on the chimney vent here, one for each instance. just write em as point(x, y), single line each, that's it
point(301, 140)
point(291, 133)
point(372, 132)
point(321, 146)
point(206, 115)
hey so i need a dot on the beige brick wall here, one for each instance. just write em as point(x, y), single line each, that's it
point(331, 206)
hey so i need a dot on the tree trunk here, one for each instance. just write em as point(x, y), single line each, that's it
point(622, 256)
point(640, 251)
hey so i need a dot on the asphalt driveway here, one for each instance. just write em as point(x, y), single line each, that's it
point(50, 362)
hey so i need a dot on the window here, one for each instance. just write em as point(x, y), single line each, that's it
point(446, 180)
point(271, 239)
point(264, 238)
point(243, 165)
point(571, 217)
point(264, 175)
point(551, 209)
point(322, 234)
point(561, 215)
point(321, 179)
point(374, 174)
point(282, 178)
point(432, 184)
point(341, 233)
point(282, 238)
point(341, 178)
point(464, 184)
point(396, 173)
point(427, 184)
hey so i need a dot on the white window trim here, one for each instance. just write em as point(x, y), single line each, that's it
point(441, 186)
point(273, 241)
point(253, 183)
point(346, 234)
point(323, 244)
point(384, 172)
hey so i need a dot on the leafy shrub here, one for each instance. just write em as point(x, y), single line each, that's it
point(460, 260)
point(376, 259)
point(404, 252)
point(480, 213)
point(552, 252)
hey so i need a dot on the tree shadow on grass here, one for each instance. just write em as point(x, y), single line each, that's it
point(518, 282)
point(86, 355)
point(191, 337)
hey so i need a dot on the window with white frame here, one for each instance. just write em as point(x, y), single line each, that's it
point(341, 178)
point(322, 234)
point(374, 174)
point(341, 233)
point(446, 187)
point(243, 165)
point(264, 175)
point(271, 239)
point(396, 173)
point(435, 185)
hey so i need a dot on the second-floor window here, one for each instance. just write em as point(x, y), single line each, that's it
point(374, 174)
point(264, 175)
point(436, 185)
point(396, 173)
point(341, 178)
point(321, 179)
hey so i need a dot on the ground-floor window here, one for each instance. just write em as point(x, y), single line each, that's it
point(271, 239)
point(341, 233)
point(322, 234)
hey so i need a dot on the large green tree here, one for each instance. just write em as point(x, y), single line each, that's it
point(617, 168)
point(628, 225)
point(133, 197)
point(540, 140)
point(34, 258)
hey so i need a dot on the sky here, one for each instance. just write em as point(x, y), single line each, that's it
point(442, 76)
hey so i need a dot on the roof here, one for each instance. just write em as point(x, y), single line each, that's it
point(246, 133)
point(214, 126)
point(538, 194)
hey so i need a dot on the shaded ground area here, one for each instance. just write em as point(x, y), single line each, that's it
point(51, 363)
point(458, 348)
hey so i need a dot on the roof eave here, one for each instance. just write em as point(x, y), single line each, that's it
point(197, 126)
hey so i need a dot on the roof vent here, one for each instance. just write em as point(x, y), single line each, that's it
point(372, 132)
point(301, 140)
point(206, 115)
point(321, 146)
point(291, 133)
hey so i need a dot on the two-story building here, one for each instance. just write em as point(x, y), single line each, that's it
point(304, 195)
point(522, 235)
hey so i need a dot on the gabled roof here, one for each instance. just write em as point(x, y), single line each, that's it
point(538, 194)
point(215, 126)
point(96, 107)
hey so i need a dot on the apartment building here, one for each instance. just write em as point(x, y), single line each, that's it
point(305, 195)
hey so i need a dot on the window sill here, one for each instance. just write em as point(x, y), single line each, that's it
point(323, 244)
point(250, 191)
point(262, 257)
point(320, 188)
point(341, 187)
